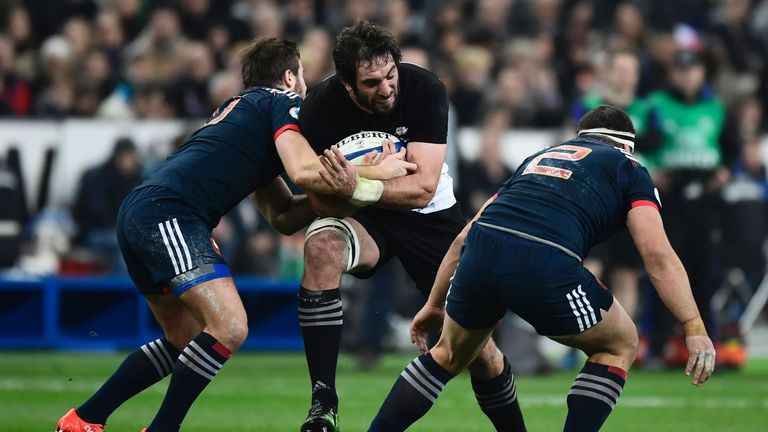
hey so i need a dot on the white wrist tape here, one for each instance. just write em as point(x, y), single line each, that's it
point(366, 192)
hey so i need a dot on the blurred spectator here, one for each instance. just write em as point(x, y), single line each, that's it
point(15, 92)
point(48, 17)
point(132, 17)
point(100, 192)
point(741, 52)
point(482, 178)
point(316, 56)
point(110, 38)
point(163, 44)
point(152, 101)
point(745, 198)
point(628, 27)
point(473, 65)
point(223, 86)
point(689, 174)
point(299, 18)
point(189, 92)
point(19, 29)
point(266, 20)
point(77, 31)
point(196, 18)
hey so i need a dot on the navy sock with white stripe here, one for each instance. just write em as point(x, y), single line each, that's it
point(321, 318)
point(592, 397)
point(412, 396)
point(196, 366)
point(497, 398)
point(142, 368)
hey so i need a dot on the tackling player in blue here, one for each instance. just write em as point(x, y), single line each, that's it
point(522, 252)
point(164, 231)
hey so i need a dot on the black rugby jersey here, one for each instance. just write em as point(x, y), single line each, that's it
point(329, 115)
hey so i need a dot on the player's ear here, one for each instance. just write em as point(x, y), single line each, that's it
point(289, 79)
point(347, 86)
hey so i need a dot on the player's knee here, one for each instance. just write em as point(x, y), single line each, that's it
point(236, 333)
point(231, 331)
point(451, 361)
point(631, 345)
point(325, 252)
point(625, 346)
point(488, 364)
point(180, 337)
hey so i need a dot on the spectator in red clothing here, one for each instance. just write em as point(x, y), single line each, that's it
point(15, 92)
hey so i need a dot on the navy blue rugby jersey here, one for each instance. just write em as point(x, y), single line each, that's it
point(233, 154)
point(572, 196)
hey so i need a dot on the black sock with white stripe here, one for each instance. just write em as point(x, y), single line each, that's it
point(142, 368)
point(321, 319)
point(196, 366)
point(412, 396)
point(497, 398)
point(592, 397)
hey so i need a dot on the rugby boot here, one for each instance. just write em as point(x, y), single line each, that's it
point(71, 422)
point(321, 419)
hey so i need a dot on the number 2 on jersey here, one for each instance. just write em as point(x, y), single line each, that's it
point(536, 167)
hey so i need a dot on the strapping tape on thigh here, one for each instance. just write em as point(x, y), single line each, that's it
point(342, 228)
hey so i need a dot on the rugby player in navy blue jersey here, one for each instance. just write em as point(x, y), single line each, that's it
point(522, 252)
point(413, 218)
point(164, 232)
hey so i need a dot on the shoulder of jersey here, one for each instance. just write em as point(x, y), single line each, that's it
point(323, 89)
point(417, 70)
point(272, 91)
point(627, 155)
point(283, 92)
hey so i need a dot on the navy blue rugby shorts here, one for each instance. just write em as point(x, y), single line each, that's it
point(166, 246)
point(499, 271)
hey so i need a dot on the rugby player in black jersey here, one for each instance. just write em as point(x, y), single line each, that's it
point(414, 218)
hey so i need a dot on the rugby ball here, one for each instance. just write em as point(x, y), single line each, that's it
point(357, 145)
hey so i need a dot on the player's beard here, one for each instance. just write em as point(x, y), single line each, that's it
point(375, 104)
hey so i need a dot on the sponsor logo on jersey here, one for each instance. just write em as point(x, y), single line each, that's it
point(401, 130)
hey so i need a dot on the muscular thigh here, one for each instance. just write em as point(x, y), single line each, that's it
point(419, 240)
point(166, 247)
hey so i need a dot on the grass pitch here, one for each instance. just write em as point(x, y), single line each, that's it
point(269, 392)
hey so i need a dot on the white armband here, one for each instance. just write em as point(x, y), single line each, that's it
point(366, 192)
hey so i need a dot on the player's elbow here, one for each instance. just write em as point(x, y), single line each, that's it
point(302, 178)
point(281, 223)
point(424, 196)
point(659, 259)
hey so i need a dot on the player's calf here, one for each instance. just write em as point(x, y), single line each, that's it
point(593, 396)
point(412, 396)
point(497, 398)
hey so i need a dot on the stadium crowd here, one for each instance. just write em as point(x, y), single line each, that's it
point(507, 64)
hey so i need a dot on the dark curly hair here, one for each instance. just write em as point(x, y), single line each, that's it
point(607, 116)
point(361, 44)
point(266, 59)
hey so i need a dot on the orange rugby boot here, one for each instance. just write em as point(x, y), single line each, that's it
point(71, 422)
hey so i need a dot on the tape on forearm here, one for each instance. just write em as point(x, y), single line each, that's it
point(366, 192)
point(695, 327)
